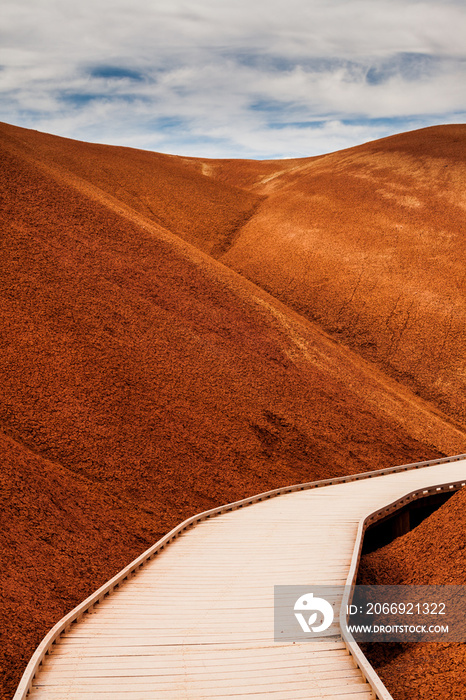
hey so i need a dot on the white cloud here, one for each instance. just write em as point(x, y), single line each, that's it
point(220, 77)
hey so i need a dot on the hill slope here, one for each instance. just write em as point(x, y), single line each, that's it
point(143, 380)
point(370, 243)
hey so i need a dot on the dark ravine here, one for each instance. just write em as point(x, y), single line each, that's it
point(143, 380)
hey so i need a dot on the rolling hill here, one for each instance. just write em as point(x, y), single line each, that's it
point(178, 333)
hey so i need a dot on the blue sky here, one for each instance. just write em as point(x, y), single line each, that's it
point(232, 78)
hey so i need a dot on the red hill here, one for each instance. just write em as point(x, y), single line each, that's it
point(170, 342)
point(370, 244)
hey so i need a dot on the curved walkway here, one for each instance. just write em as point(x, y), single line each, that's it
point(196, 621)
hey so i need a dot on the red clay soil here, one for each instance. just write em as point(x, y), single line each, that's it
point(432, 554)
point(370, 243)
point(142, 380)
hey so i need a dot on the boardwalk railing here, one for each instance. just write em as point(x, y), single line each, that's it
point(89, 603)
point(367, 670)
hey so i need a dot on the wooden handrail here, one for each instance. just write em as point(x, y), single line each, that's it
point(355, 650)
point(77, 613)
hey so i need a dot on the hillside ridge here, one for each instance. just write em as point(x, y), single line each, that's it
point(166, 348)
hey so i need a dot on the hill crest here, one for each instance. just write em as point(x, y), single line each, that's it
point(178, 333)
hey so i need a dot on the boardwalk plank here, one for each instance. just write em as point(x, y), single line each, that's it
point(197, 620)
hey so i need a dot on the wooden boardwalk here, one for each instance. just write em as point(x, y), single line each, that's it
point(197, 620)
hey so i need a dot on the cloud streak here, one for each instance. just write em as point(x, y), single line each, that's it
point(233, 78)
